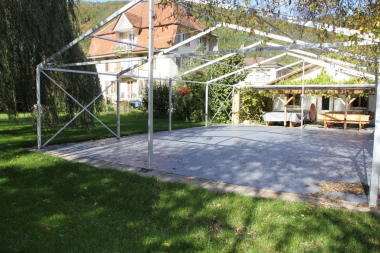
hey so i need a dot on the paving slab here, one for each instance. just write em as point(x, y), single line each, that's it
point(274, 158)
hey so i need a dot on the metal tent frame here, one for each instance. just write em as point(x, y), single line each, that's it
point(291, 50)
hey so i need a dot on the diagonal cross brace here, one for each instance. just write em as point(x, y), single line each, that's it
point(83, 109)
point(221, 104)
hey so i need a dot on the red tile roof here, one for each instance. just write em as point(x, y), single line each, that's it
point(164, 37)
point(108, 29)
point(168, 18)
point(102, 47)
point(135, 20)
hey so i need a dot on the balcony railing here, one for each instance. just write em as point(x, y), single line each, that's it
point(123, 48)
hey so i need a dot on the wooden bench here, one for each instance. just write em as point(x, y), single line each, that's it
point(352, 118)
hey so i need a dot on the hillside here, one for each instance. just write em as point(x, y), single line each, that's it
point(91, 13)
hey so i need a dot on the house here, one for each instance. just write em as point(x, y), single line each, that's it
point(324, 103)
point(172, 24)
point(265, 72)
point(318, 104)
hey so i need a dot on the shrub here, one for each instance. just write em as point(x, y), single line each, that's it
point(160, 99)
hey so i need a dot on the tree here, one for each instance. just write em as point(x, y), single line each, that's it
point(362, 15)
point(221, 93)
point(190, 97)
point(34, 30)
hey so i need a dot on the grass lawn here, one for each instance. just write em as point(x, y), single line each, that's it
point(52, 205)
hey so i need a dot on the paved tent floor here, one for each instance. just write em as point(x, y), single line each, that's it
point(274, 158)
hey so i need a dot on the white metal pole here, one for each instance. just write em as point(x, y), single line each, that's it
point(170, 103)
point(38, 93)
point(118, 106)
point(150, 80)
point(374, 184)
point(206, 106)
point(303, 92)
point(233, 106)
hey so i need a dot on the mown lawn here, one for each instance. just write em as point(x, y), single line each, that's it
point(52, 205)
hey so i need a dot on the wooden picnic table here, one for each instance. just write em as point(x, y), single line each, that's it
point(351, 117)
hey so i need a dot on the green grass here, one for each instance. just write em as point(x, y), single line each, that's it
point(52, 205)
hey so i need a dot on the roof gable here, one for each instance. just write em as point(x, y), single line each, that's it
point(123, 24)
point(168, 18)
point(165, 15)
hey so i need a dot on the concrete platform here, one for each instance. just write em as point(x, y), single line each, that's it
point(261, 161)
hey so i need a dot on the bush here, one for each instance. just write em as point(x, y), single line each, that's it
point(254, 103)
point(189, 102)
point(160, 99)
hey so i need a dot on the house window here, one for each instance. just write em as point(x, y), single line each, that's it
point(132, 37)
point(212, 44)
point(108, 91)
point(113, 88)
point(280, 73)
point(183, 37)
point(262, 75)
point(118, 67)
point(107, 65)
point(361, 102)
point(325, 103)
point(180, 62)
point(130, 90)
point(202, 41)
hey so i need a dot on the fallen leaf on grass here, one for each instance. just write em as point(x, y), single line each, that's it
point(47, 229)
point(166, 244)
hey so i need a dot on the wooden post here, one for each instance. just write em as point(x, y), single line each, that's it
point(345, 113)
point(285, 113)
point(286, 102)
point(346, 104)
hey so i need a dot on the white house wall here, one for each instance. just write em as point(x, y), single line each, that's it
point(335, 105)
point(163, 68)
point(251, 77)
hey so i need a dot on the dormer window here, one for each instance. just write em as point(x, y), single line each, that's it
point(132, 37)
point(129, 37)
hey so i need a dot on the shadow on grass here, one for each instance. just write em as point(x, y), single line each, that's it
point(51, 205)
point(57, 206)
